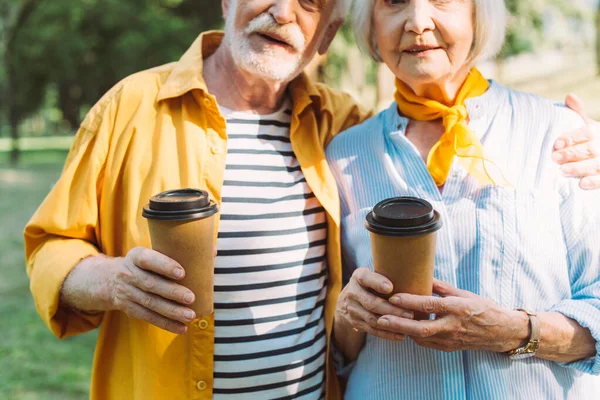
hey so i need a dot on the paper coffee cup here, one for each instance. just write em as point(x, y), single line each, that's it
point(403, 234)
point(182, 224)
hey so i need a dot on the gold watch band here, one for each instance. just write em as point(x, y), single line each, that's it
point(533, 345)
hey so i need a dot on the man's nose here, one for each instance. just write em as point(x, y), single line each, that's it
point(419, 17)
point(284, 11)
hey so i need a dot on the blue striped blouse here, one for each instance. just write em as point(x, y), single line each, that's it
point(534, 245)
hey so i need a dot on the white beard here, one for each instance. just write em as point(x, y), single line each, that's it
point(268, 63)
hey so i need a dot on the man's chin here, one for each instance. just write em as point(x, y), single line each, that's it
point(271, 68)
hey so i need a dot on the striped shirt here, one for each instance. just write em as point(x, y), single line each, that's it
point(534, 245)
point(270, 271)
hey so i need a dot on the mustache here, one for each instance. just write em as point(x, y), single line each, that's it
point(266, 24)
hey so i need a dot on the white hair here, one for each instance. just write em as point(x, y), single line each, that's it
point(490, 29)
point(342, 8)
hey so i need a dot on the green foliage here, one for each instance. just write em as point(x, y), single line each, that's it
point(526, 23)
point(82, 48)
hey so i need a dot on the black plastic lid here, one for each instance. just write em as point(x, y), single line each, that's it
point(180, 205)
point(403, 216)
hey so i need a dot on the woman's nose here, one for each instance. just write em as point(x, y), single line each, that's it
point(419, 18)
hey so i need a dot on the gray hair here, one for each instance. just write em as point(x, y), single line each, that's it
point(342, 8)
point(490, 29)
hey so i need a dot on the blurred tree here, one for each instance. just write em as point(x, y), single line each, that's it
point(526, 23)
point(14, 17)
point(83, 48)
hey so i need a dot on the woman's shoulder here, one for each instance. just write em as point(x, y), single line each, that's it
point(534, 110)
point(361, 137)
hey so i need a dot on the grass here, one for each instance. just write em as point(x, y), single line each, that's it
point(33, 363)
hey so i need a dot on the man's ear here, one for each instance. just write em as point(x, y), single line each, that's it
point(332, 30)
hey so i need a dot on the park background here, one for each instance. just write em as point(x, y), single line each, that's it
point(57, 57)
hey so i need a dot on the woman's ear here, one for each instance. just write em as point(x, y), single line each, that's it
point(225, 8)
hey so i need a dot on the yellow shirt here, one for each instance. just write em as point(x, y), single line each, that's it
point(159, 130)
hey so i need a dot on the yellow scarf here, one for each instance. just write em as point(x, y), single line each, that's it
point(457, 139)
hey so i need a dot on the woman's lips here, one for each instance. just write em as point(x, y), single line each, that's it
point(420, 50)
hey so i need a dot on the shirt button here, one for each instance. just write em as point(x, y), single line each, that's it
point(207, 101)
point(202, 324)
point(215, 149)
point(201, 385)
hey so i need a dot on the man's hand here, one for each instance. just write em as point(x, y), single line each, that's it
point(579, 151)
point(141, 285)
point(464, 321)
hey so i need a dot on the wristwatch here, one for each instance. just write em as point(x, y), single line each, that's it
point(533, 345)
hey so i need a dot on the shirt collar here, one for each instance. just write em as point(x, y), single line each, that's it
point(481, 110)
point(187, 75)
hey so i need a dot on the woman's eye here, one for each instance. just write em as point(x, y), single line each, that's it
point(397, 2)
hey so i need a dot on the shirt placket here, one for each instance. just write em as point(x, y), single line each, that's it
point(202, 331)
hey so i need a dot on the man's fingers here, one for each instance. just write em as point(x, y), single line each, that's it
point(575, 103)
point(133, 310)
point(578, 136)
point(152, 283)
point(409, 327)
point(578, 152)
point(160, 305)
point(371, 280)
point(582, 168)
point(590, 183)
point(156, 262)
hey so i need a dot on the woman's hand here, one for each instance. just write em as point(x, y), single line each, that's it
point(358, 305)
point(464, 321)
point(579, 151)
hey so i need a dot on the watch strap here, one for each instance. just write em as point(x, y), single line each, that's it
point(534, 321)
point(531, 347)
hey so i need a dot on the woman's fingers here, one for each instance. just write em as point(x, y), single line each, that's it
point(374, 281)
point(419, 329)
point(363, 326)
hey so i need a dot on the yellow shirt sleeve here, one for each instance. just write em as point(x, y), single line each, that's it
point(64, 230)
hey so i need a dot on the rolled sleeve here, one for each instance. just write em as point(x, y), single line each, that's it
point(588, 316)
point(53, 261)
point(580, 215)
point(65, 228)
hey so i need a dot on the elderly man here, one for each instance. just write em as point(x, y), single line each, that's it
point(236, 117)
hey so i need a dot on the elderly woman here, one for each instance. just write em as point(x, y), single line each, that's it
point(517, 235)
